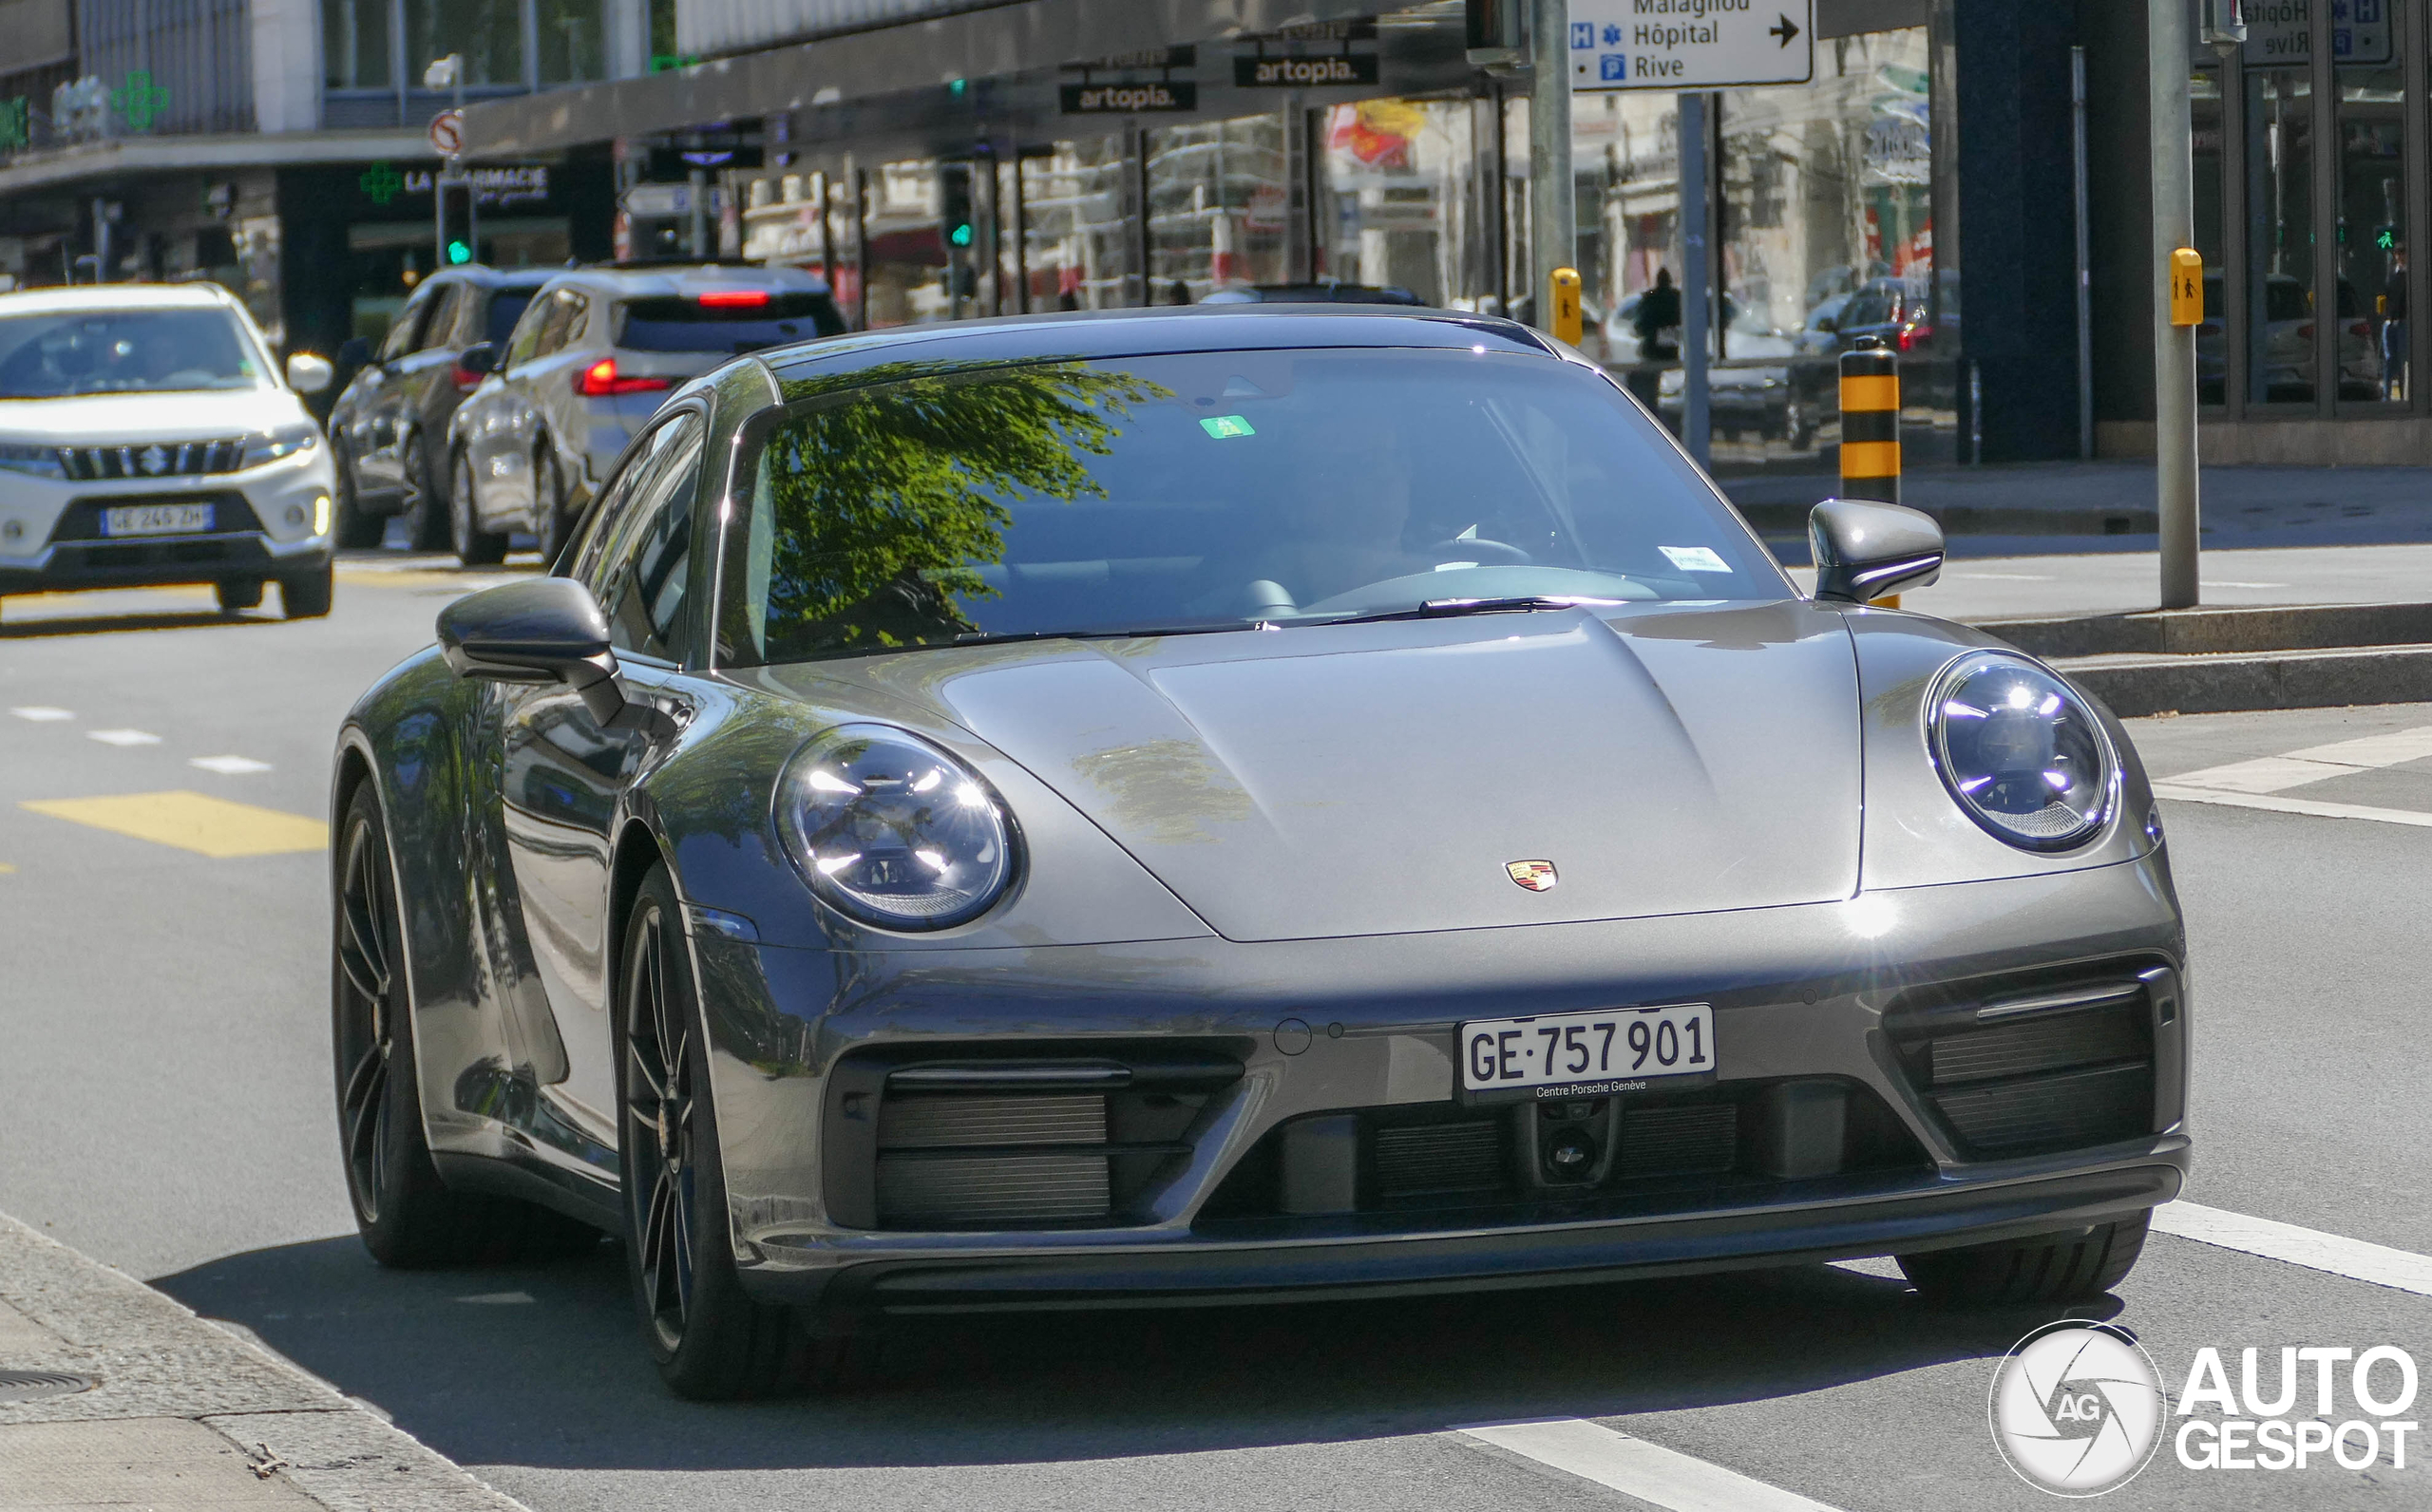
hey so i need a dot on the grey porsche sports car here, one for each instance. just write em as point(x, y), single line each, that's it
point(1226, 803)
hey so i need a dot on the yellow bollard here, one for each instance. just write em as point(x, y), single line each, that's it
point(1871, 428)
point(1568, 322)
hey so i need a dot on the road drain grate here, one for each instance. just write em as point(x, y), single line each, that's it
point(24, 1386)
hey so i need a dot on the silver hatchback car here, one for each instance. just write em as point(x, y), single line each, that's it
point(594, 356)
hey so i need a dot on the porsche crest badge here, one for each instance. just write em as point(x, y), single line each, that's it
point(1537, 877)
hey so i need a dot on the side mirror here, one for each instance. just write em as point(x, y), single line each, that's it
point(307, 374)
point(1864, 550)
point(548, 630)
point(478, 359)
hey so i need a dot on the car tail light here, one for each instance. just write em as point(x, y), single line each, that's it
point(466, 380)
point(735, 299)
point(600, 380)
point(2306, 331)
point(1911, 337)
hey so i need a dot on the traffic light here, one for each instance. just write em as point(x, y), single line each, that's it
point(458, 252)
point(954, 193)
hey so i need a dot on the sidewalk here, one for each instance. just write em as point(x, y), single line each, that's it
point(2024, 508)
point(112, 1395)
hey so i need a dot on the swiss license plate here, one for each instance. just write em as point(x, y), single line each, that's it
point(1595, 1054)
point(156, 519)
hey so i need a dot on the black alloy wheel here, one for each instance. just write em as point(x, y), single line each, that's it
point(709, 1340)
point(475, 547)
point(405, 1213)
point(424, 502)
point(356, 531)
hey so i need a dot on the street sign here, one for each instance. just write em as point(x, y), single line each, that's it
point(448, 133)
point(1690, 44)
point(659, 200)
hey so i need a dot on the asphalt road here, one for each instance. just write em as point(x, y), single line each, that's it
point(165, 1105)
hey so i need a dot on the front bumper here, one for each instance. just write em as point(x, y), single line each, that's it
point(1827, 992)
point(269, 521)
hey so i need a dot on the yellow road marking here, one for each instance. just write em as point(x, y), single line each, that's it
point(6, 869)
point(195, 822)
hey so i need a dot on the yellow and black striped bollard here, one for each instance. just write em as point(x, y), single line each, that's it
point(1871, 428)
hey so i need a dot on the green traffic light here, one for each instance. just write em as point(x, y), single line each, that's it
point(458, 252)
point(962, 236)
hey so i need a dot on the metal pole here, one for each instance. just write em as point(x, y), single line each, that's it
point(1697, 414)
point(700, 206)
point(472, 200)
point(2086, 257)
point(1553, 215)
point(2168, 53)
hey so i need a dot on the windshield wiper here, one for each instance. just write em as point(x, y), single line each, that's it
point(983, 637)
point(1455, 608)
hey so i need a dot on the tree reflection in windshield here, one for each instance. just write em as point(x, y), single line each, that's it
point(887, 502)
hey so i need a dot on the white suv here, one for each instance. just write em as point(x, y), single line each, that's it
point(146, 438)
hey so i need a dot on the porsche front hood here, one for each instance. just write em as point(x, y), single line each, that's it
point(1382, 779)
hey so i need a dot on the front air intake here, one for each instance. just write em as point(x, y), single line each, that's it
point(2065, 1066)
point(947, 1160)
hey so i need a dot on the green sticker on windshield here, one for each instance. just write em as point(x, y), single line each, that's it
point(1223, 427)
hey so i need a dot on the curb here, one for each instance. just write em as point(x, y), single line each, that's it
point(2206, 631)
point(2135, 686)
point(185, 1411)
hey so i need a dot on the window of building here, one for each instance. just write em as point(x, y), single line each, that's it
point(489, 34)
point(1406, 199)
point(355, 44)
point(1217, 206)
point(573, 40)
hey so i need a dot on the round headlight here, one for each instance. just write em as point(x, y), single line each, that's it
point(893, 831)
point(2022, 754)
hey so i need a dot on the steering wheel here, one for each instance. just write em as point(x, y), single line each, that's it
point(1483, 552)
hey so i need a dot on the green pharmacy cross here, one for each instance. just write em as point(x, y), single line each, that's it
point(142, 101)
point(17, 124)
point(380, 183)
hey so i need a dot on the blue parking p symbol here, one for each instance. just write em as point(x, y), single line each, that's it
point(1616, 67)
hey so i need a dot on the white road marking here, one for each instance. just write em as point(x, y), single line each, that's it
point(229, 766)
point(2293, 805)
point(2317, 1251)
point(2209, 583)
point(123, 737)
point(2273, 774)
point(41, 713)
point(1653, 1474)
point(2005, 577)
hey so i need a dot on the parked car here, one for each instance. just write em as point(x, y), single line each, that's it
point(593, 357)
point(146, 439)
point(389, 429)
point(1216, 803)
point(2286, 365)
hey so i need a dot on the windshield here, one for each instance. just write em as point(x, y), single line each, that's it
point(1164, 494)
point(107, 351)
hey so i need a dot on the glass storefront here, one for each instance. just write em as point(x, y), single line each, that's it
point(1217, 206)
point(1406, 199)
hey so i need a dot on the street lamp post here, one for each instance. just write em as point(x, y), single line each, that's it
point(449, 73)
point(1553, 214)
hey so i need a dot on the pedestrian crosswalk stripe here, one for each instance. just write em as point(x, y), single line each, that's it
point(2275, 804)
point(2345, 758)
point(123, 737)
point(194, 822)
point(2357, 1260)
point(1647, 1472)
point(40, 713)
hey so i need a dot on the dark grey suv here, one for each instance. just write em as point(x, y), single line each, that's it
point(389, 429)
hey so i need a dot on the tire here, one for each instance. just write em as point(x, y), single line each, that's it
point(549, 521)
point(425, 507)
point(2069, 1267)
point(475, 547)
point(709, 1340)
point(356, 531)
point(408, 1216)
point(305, 596)
point(238, 594)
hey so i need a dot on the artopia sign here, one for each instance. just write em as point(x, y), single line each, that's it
point(1690, 44)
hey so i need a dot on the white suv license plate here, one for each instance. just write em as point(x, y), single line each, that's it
point(156, 519)
point(1597, 1054)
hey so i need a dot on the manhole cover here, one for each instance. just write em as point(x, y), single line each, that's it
point(23, 1386)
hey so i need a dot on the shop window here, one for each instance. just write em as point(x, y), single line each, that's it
point(573, 40)
point(2212, 337)
point(1078, 243)
point(355, 45)
point(489, 34)
point(1218, 199)
point(2371, 244)
point(1400, 201)
point(903, 244)
point(2279, 293)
